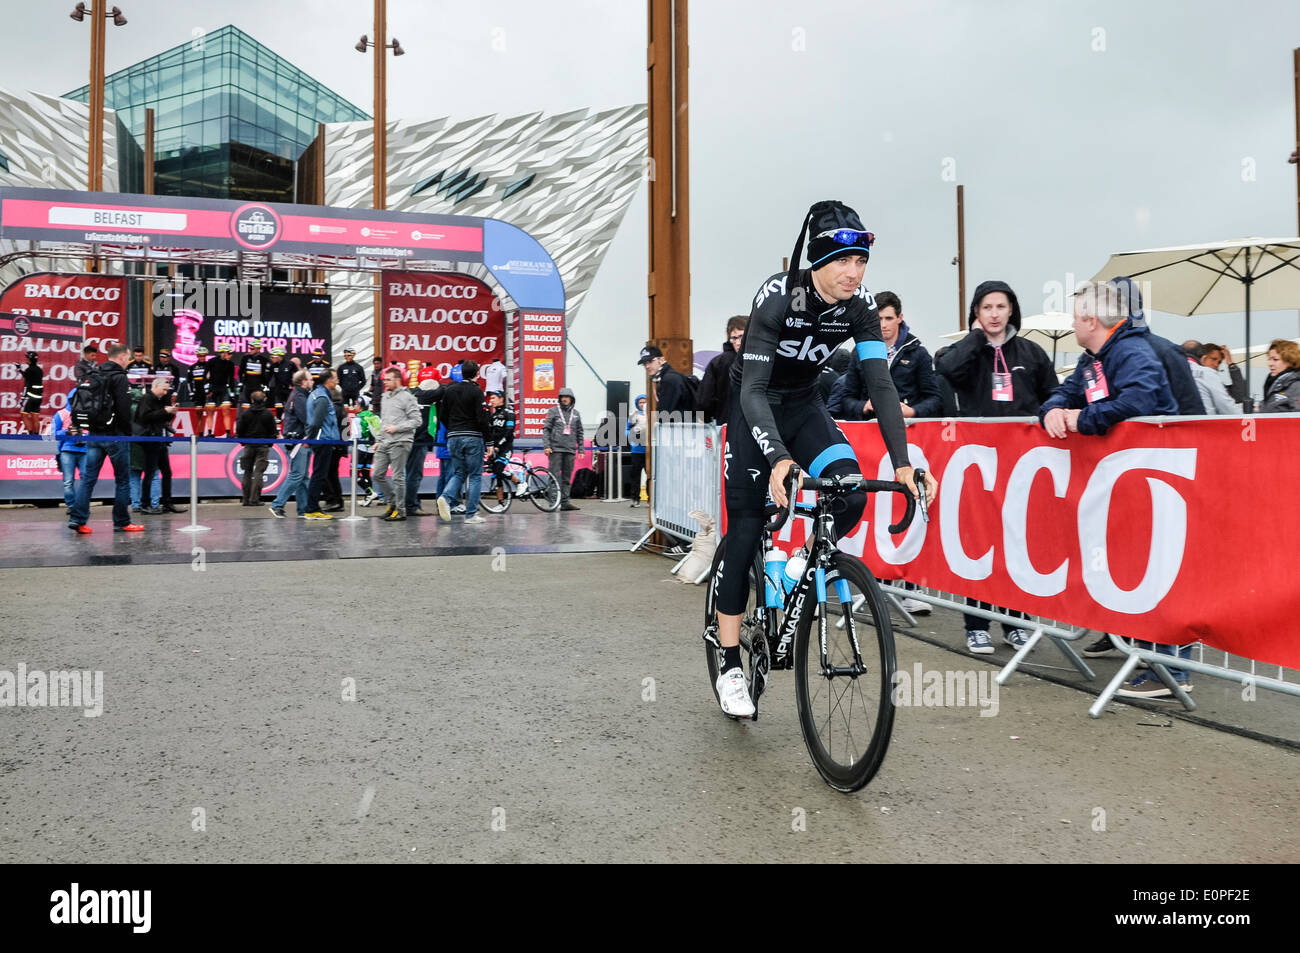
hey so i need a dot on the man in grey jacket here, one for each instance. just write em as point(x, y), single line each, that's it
point(397, 425)
point(562, 441)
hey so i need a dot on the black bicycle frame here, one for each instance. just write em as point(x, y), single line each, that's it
point(819, 571)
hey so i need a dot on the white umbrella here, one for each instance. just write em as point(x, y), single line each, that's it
point(1258, 353)
point(1216, 277)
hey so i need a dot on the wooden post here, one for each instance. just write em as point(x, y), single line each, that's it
point(961, 258)
point(95, 156)
point(669, 287)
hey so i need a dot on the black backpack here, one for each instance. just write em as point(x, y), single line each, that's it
point(584, 483)
point(94, 406)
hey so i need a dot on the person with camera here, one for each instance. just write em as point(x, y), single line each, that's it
point(153, 418)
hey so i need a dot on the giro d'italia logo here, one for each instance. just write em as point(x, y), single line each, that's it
point(21, 326)
point(277, 468)
point(255, 226)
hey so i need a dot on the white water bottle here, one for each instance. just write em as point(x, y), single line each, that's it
point(794, 569)
point(774, 567)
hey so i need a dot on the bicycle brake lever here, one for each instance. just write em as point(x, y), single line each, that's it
point(919, 479)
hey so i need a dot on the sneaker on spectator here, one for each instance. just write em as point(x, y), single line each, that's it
point(915, 607)
point(444, 511)
point(1016, 638)
point(1149, 685)
point(475, 519)
point(978, 642)
point(458, 508)
point(1102, 648)
point(317, 515)
point(278, 514)
point(130, 528)
point(82, 530)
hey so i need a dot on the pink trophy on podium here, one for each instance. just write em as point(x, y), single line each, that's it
point(187, 323)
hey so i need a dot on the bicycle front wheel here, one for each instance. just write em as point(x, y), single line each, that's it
point(544, 489)
point(847, 716)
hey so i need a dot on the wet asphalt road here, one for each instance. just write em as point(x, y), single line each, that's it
point(554, 710)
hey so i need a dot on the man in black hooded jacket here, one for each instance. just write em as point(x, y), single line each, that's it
point(1024, 376)
point(995, 373)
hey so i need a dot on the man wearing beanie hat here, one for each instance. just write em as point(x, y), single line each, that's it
point(995, 373)
point(777, 414)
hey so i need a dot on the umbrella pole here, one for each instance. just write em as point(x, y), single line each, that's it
point(1249, 278)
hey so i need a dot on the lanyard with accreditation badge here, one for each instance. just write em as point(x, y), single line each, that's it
point(1002, 389)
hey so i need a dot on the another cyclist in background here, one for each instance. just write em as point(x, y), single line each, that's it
point(778, 417)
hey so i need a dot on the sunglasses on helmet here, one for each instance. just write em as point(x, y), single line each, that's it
point(849, 236)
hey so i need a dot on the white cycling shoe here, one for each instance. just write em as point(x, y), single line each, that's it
point(733, 694)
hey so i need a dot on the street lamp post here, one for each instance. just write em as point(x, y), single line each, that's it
point(95, 154)
point(380, 173)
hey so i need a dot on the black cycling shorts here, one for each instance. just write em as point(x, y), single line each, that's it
point(820, 450)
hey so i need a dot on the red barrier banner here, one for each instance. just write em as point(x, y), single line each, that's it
point(539, 364)
point(441, 319)
point(44, 305)
point(1175, 532)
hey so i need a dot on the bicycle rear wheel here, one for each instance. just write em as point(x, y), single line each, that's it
point(494, 485)
point(544, 489)
point(753, 630)
point(846, 719)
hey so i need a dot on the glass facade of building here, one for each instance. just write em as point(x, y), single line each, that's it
point(230, 117)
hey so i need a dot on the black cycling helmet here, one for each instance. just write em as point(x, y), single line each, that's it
point(836, 231)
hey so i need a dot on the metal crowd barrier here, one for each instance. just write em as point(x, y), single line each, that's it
point(1062, 635)
point(686, 474)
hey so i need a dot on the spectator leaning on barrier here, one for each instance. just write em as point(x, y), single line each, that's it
point(1118, 375)
point(71, 455)
point(87, 364)
point(562, 439)
point(397, 426)
point(110, 381)
point(1282, 387)
point(1187, 399)
point(153, 418)
point(257, 422)
point(672, 394)
point(910, 367)
point(322, 424)
point(715, 387)
point(996, 373)
point(460, 407)
point(1208, 383)
point(295, 428)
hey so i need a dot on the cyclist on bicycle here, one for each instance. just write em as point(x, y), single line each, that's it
point(778, 417)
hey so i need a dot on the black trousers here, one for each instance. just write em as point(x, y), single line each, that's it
point(156, 459)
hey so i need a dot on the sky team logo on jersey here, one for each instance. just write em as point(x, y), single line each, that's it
point(775, 286)
point(865, 295)
point(760, 437)
point(807, 351)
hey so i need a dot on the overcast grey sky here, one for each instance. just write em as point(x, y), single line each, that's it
point(1078, 129)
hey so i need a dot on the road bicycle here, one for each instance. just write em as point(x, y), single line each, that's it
point(844, 676)
point(498, 490)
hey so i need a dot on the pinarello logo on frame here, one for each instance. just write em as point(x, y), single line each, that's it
point(255, 226)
